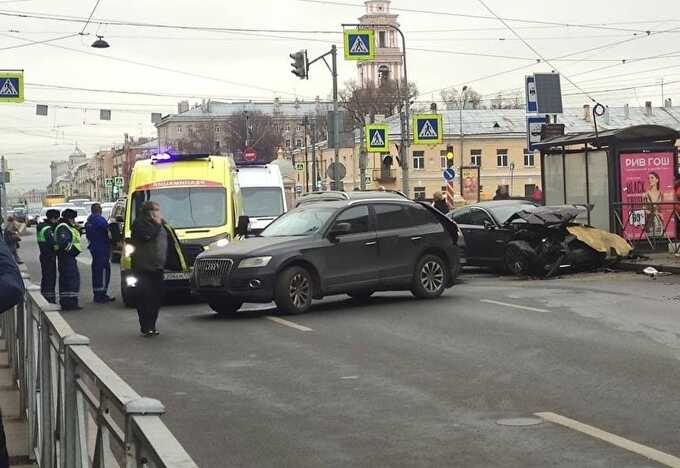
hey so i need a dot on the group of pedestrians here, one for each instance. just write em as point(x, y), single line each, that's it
point(59, 241)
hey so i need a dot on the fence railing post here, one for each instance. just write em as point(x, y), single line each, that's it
point(139, 407)
point(71, 446)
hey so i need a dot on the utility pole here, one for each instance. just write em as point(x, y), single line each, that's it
point(305, 122)
point(314, 177)
point(405, 135)
point(362, 158)
point(336, 117)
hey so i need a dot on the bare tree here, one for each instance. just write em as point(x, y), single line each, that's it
point(455, 99)
point(369, 101)
point(256, 130)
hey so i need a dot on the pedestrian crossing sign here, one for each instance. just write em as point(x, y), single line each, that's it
point(11, 86)
point(428, 129)
point(359, 44)
point(377, 138)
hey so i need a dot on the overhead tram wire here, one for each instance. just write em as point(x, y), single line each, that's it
point(470, 16)
point(44, 41)
point(161, 68)
point(90, 17)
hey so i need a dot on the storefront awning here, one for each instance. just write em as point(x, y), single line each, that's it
point(606, 137)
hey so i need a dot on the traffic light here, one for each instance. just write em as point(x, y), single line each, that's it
point(299, 65)
point(449, 156)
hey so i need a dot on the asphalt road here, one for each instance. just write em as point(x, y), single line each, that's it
point(401, 382)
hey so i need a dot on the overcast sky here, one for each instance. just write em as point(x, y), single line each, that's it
point(249, 66)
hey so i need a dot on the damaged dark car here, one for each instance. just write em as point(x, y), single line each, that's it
point(535, 240)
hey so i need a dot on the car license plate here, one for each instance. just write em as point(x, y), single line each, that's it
point(179, 275)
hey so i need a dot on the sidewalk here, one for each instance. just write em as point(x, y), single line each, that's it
point(662, 261)
point(15, 424)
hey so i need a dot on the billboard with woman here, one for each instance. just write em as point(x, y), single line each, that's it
point(647, 181)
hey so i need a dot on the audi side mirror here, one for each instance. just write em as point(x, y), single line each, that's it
point(339, 229)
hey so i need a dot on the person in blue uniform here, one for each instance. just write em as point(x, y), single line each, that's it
point(11, 294)
point(98, 237)
point(67, 236)
point(48, 255)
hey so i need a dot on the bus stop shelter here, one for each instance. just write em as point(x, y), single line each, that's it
point(626, 177)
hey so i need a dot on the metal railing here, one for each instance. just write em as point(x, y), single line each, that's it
point(80, 413)
point(650, 223)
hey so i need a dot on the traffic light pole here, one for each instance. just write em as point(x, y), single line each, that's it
point(405, 137)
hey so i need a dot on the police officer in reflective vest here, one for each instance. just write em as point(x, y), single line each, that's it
point(67, 236)
point(48, 255)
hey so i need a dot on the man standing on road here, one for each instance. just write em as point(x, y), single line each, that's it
point(97, 230)
point(48, 256)
point(11, 293)
point(67, 236)
point(156, 248)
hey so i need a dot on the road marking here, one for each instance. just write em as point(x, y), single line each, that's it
point(288, 323)
point(648, 452)
point(514, 306)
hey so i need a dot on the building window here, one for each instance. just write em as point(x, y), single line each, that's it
point(287, 143)
point(475, 157)
point(179, 129)
point(419, 193)
point(382, 39)
point(528, 158)
point(298, 143)
point(529, 190)
point(419, 160)
point(218, 129)
point(502, 157)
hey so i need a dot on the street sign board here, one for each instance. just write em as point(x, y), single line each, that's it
point(530, 92)
point(377, 138)
point(449, 174)
point(551, 131)
point(299, 166)
point(359, 44)
point(118, 181)
point(548, 93)
point(368, 180)
point(534, 125)
point(108, 182)
point(336, 170)
point(428, 129)
point(11, 86)
point(250, 155)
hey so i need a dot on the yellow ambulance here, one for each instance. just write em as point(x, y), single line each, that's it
point(199, 197)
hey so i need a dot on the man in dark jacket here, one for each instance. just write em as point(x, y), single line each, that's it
point(12, 238)
point(11, 293)
point(67, 237)
point(99, 244)
point(156, 248)
point(48, 255)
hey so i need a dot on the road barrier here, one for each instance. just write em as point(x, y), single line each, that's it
point(80, 413)
point(654, 224)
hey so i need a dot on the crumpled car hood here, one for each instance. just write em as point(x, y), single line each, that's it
point(600, 240)
point(547, 215)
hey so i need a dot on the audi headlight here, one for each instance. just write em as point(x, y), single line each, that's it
point(254, 262)
point(128, 250)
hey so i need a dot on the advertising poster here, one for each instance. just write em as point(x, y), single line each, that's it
point(647, 179)
point(469, 180)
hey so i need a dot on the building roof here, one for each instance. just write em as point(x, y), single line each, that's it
point(149, 145)
point(512, 122)
point(634, 133)
point(216, 109)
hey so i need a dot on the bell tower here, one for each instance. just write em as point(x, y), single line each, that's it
point(388, 59)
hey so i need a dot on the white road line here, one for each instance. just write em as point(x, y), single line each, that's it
point(288, 323)
point(652, 454)
point(514, 306)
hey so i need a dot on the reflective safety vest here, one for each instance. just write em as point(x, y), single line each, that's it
point(75, 237)
point(42, 233)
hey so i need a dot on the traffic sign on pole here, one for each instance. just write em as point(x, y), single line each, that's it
point(377, 138)
point(359, 44)
point(250, 155)
point(449, 174)
point(534, 127)
point(532, 99)
point(108, 182)
point(12, 86)
point(118, 181)
point(428, 129)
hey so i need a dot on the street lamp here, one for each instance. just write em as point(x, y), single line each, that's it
point(100, 43)
point(512, 176)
